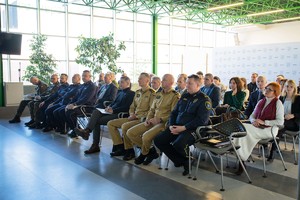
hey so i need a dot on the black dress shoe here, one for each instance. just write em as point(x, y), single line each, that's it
point(93, 149)
point(47, 129)
point(151, 156)
point(140, 159)
point(118, 150)
point(186, 170)
point(29, 123)
point(15, 120)
point(240, 169)
point(72, 134)
point(129, 155)
point(84, 133)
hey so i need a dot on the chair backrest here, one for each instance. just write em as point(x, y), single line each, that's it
point(228, 127)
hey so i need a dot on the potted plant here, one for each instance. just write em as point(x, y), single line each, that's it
point(98, 53)
point(42, 64)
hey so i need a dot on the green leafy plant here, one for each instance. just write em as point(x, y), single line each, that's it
point(99, 53)
point(42, 64)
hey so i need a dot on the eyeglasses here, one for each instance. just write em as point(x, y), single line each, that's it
point(269, 89)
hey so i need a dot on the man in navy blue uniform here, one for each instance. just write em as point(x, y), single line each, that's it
point(85, 96)
point(211, 90)
point(120, 104)
point(257, 95)
point(40, 113)
point(60, 104)
point(192, 110)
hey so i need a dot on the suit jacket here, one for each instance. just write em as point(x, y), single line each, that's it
point(253, 99)
point(86, 94)
point(109, 95)
point(214, 94)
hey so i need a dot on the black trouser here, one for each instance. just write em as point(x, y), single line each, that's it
point(59, 117)
point(71, 116)
point(50, 120)
point(176, 147)
point(21, 107)
point(97, 119)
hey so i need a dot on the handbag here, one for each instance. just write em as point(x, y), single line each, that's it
point(231, 113)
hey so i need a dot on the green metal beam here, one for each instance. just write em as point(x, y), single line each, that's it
point(154, 43)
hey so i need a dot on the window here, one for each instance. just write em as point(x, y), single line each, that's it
point(51, 5)
point(27, 3)
point(102, 26)
point(178, 35)
point(144, 32)
point(122, 35)
point(163, 53)
point(52, 23)
point(56, 47)
point(164, 34)
point(144, 52)
point(208, 38)
point(25, 49)
point(79, 25)
point(19, 23)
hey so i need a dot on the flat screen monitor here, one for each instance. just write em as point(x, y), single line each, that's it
point(10, 43)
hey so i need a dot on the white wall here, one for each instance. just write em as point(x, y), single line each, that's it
point(269, 34)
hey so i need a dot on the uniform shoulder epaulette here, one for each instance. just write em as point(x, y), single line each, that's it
point(152, 90)
point(176, 93)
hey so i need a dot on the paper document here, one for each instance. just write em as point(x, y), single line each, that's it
point(103, 111)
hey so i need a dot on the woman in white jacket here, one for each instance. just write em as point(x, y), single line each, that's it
point(268, 112)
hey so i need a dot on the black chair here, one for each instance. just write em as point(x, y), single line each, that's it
point(219, 140)
point(294, 135)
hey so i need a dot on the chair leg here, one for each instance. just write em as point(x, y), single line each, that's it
point(264, 160)
point(294, 148)
point(190, 164)
point(197, 167)
point(212, 160)
point(222, 180)
point(277, 146)
point(101, 135)
point(284, 141)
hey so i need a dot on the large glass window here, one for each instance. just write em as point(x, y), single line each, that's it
point(52, 5)
point(121, 26)
point(19, 23)
point(102, 26)
point(52, 23)
point(3, 18)
point(143, 32)
point(79, 25)
point(27, 3)
point(56, 47)
point(178, 34)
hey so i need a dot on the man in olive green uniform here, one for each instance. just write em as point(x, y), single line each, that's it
point(144, 133)
point(138, 111)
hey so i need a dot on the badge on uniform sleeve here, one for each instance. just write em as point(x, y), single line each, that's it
point(195, 100)
point(138, 95)
point(158, 97)
point(208, 105)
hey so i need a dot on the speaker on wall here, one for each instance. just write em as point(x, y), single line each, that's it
point(10, 43)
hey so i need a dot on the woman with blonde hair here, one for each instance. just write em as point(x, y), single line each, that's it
point(291, 104)
point(268, 112)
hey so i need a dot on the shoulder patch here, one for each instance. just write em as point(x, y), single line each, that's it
point(208, 105)
point(152, 90)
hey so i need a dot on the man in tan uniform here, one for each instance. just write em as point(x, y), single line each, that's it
point(144, 133)
point(138, 111)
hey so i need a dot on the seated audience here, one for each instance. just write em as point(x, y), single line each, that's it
point(191, 111)
point(291, 104)
point(100, 80)
point(245, 89)
point(257, 95)
point(144, 133)
point(53, 110)
point(233, 98)
point(40, 89)
point(268, 112)
point(181, 84)
point(156, 83)
point(138, 111)
point(120, 104)
point(211, 90)
point(252, 85)
point(85, 96)
point(217, 82)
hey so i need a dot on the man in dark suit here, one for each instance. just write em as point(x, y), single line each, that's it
point(107, 92)
point(211, 90)
point(257, 95)
point(252, 85)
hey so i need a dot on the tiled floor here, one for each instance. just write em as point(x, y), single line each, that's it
point(36, 165)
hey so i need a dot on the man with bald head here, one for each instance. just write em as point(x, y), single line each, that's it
point(144, 133)
point(257, 95)
point(40, 89)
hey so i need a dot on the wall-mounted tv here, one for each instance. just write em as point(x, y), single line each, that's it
point(10, 43)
